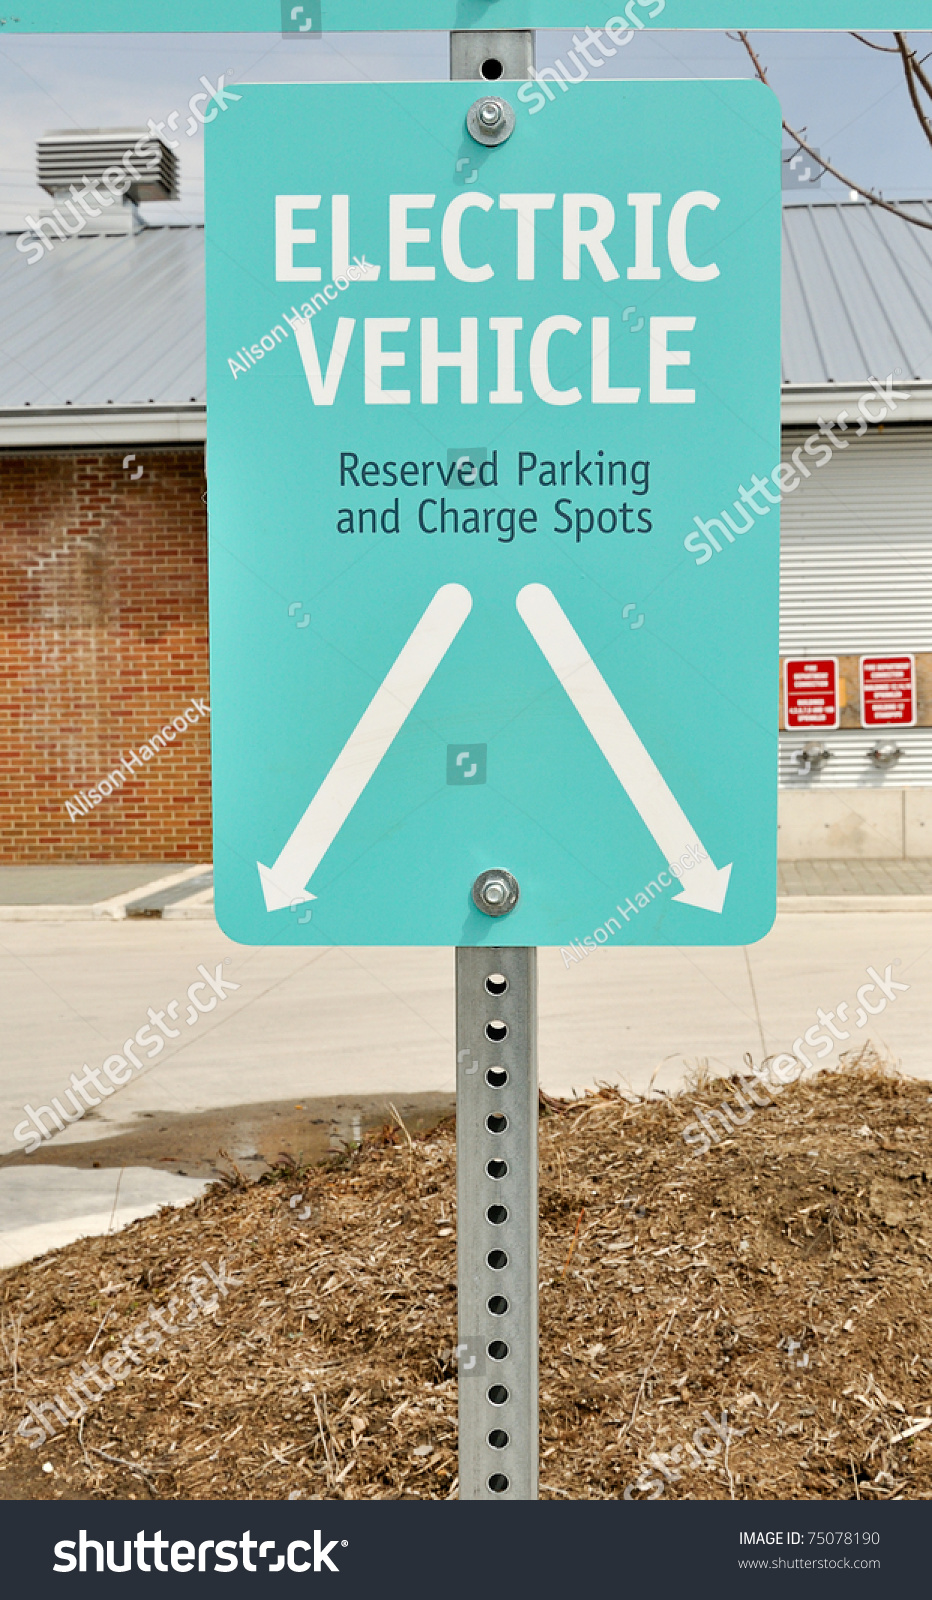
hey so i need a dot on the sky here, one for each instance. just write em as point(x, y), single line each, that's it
point(852, 100)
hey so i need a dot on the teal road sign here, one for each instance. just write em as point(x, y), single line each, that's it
point(466, 402)
point(353, 16)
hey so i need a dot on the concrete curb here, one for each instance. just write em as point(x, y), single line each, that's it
point(200, 907)
point(46, 913)
point(116, 905)
point(114, 909)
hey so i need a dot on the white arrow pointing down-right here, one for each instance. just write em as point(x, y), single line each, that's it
point(664, 818)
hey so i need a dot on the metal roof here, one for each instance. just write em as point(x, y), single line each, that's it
point(115, 320)
point(857, 293)
point(120, 320)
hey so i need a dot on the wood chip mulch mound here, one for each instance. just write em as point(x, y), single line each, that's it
point(751, 1322)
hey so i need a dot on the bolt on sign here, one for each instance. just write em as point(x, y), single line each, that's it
point(888, 691)
point(353, 16)
point(470, 462)
point(810, 693)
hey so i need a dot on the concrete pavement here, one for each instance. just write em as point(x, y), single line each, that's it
point(304, 1024)
point(86, 891)
point(43, 1208)
point(82, 892)
point(76, 883)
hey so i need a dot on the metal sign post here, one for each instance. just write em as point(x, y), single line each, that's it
point(489, 415)
point(496, 1211)
point(496, 1104)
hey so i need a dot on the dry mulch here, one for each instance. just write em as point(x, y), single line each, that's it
point(782, 1278)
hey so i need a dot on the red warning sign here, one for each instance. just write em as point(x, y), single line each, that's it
point(888, 691)
point(810, 696)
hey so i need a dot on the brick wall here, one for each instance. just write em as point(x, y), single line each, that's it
point(103, 640)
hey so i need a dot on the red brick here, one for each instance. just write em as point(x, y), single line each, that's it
point(103, 637)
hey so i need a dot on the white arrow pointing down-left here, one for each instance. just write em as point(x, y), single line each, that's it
point(284, 884)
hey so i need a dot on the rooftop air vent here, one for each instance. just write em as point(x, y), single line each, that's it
point(91, 155)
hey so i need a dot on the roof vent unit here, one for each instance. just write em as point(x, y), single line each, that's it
point(109, 171)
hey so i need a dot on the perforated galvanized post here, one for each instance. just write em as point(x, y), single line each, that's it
point(496, 1080)
point(496, 1208)
point(497, 1096)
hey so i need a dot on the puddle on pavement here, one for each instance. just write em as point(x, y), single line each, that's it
point(256, 1137)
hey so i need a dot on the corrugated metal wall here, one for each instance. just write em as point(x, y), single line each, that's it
point(850, 766)
point(856, 575)
point(856, 561)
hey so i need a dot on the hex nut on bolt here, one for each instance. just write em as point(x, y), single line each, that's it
point(496, 892)
point(491, 120)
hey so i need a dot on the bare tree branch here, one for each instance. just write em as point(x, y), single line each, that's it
point(916, 63)
point(867, 194)
point(908, 58)
point(892, 50)
point(888, 49)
